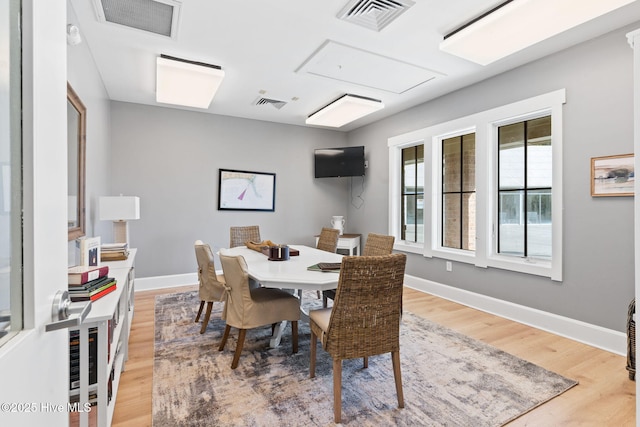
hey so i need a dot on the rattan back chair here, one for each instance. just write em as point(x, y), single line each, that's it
point(364, 320)
point(376, 244)
point(238, 236)
point(328, 240)
point(210, 285)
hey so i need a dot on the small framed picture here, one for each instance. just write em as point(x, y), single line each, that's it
point(246, 191)
point(612, 175)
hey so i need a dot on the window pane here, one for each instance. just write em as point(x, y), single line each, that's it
point(511, 156)
point(419, 225)
point(412, 193)
point(469, 221)
point(469, 162)
point(539, 224)
point(413, 218)
point(539, 153)
point(409, 169)
point(511, 226)
point(451, 221)
point(451, 155)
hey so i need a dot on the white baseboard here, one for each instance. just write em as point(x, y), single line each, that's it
point(162, 282)
point(593, 335)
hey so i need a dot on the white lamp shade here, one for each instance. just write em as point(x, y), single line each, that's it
point(186, 83)
point(520, 24)
point(344, 110)
point(119, 208)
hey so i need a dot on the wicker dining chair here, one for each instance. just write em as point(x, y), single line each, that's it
point(364, 320)
point(328, 240)
point(248, 308)
point(238, 236)
point(210, 285)
point(376, 244)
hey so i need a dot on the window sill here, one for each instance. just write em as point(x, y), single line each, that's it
point(520, 265)
point(407, 247)
point(467, 257)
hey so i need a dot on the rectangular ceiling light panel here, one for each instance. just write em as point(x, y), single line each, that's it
point(344, 110)
point(518, 24)
point(186, 83)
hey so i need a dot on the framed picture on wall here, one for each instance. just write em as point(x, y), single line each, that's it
point(612, 175)
point(246, 191)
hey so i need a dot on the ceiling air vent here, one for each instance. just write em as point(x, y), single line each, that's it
point(374, 14)
point(154, 16)
point(273, 102)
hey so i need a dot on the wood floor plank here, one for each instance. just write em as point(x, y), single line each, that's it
point(605, 396)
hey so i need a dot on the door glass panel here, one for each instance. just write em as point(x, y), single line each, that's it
point(10, 177)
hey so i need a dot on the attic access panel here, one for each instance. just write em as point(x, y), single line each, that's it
point(352, 65)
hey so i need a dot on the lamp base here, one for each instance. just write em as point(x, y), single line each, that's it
point(120, 232)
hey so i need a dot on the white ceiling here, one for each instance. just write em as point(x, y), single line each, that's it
point(265, 48)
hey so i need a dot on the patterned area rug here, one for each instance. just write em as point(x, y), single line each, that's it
point(448, 379)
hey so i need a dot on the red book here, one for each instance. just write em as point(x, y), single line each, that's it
point(80, 275)
point(103, 293)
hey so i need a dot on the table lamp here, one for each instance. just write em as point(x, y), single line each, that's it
point(120, 209)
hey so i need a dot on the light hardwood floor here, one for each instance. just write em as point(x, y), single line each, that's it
point(604, 397)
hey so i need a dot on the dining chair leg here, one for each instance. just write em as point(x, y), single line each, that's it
point(199, 311)
point(312, 355)
point(239, 345)
point(227, 329)
point(365, 362)
point(325, 301)
point(207, 315)
point(294, 335)
point(337, 390)
point(395, 359)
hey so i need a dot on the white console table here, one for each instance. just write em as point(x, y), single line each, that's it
point(348, 242)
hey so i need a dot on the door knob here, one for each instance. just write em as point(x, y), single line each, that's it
point(67, 314)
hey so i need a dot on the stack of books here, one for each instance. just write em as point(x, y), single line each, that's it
point(114, 252)
point(90, 283)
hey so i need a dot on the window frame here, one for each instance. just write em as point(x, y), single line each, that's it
point(485, 125)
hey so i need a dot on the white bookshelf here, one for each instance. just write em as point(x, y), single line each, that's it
point(113, 348)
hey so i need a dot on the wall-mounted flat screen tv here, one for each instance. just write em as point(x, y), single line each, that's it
point(339, 162)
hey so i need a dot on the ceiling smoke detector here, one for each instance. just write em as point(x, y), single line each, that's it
point(374, 14)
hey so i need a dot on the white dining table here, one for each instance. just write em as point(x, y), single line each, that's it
point(291, 274)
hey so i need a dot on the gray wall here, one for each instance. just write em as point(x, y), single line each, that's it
point(84, 77)
point(598, 232)
point(170, 159)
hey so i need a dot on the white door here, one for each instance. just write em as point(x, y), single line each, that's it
point(34, 363)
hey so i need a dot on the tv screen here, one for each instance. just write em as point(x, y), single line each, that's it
point(339, 162)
